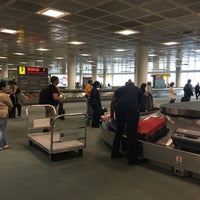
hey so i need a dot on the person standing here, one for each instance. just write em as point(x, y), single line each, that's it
point(53, 99)
point(15, 98)
point(125, 104)
point(188, 90)
point(172, 93)
point(5, 106)
point(88, 88)
point(197, 92)
point(95, 102)
point(54, 95)
point(144, 97)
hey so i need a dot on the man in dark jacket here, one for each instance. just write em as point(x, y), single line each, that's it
point(188, 90)
point(125, 104)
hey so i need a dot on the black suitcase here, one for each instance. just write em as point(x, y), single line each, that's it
point(187, 139)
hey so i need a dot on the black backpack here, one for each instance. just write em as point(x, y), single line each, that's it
point(44, 96)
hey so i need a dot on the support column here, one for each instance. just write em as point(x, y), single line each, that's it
point(156, 64)
point(141, 65)
point(168, 69)
point(81, 74)
point(104, 71)
point(178, 69)
point(4, 71)
point(94, 67)
point(71, 71)
point(63, 67)
point(94, 72)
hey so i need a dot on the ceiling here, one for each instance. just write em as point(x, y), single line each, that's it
point(95, 22)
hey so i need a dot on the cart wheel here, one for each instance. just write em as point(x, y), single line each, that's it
point(30, 143)
point(80, 152)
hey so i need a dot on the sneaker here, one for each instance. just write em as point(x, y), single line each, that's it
point(4, 147)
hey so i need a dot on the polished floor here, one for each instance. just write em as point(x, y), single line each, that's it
point(26, 173)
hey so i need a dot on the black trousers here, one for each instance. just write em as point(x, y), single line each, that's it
point(96, 114)
point(127, 115)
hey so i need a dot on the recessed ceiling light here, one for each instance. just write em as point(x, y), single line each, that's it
point(3, 57)
point(196, 50)
point(120, 50)
point(127, 32)
point(51, 12)
point(170, 43)
point(76, 42)
point(152, 55)
point(59, 58)
point(85, 54)
point(19, 54)
point(42, 49)
point(39, 61)
point(10, 31)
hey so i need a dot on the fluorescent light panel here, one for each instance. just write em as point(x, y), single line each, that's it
point(170, 43)
point(196, 50)
point(127, 32)
point(85, 54)
point(59, 58)
point(10, 31)
point(51, 12)
point(152, 55)
point(19, 54)
point(76, 42)
point(120, 50)
point(42, 49)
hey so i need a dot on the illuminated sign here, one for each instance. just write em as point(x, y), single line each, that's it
point(22, 70)
point(32, 78)
point(36, 71)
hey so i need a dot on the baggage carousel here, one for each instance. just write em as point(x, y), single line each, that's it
point(183, 115)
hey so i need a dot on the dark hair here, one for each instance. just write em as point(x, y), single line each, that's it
point(2, 84)
point(12, 82)
point(89, 81)
point(96, 84)
point(143, 86)
point(53, 79)
point(171, 84)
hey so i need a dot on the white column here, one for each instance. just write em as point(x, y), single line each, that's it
point(178, 69)
point(104, 71)
point(81, 74)
point(63, 67)
point(156, 64)
point(4, 71)
point(168, 68)
point(94, 67)
point(71, 71)
point(141, 65)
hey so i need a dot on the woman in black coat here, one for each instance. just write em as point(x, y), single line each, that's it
point(95, 101)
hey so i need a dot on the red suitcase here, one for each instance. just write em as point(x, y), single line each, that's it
point(152, 128)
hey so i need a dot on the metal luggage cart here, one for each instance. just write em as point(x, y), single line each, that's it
point(63, 136)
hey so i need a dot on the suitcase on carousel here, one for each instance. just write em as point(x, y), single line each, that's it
point(152, 128)
point(187, 139)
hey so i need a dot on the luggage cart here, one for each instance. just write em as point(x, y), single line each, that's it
point(63, 136)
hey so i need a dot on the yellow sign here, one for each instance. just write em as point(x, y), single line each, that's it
point(22, 70)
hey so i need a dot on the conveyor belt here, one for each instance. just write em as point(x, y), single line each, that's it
point(185, 109)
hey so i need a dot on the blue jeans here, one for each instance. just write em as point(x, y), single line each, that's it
point(3, 125)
